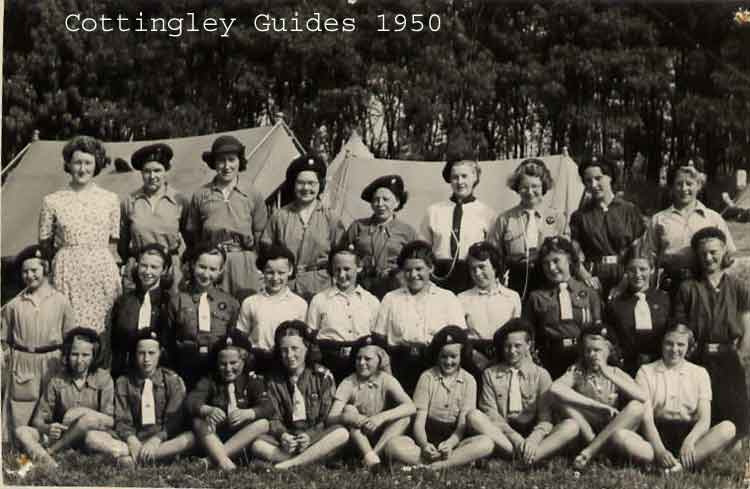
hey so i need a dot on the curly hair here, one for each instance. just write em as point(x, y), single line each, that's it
point(531, 167)
point(484, 250)
point(295, 327)
point(82, 334)
point(558, 244)
point(689, 170)
point(705, 234)
point(86, 144)
point(416, 250)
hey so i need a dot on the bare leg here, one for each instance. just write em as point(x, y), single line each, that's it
point(364, 446)
point(75, 433)
point(265, 450)
point(245, 436)
point(633, 445)
point(215, 450)
point(318, 450)
point(469, 450)
point(562, 434)
point(396, 428)
point(482, 424)
point(585, 429)
point(30, 439)
point(103, 442)
point(403, 449)
point(628, 418)
point(717, 438)
point(177, 445)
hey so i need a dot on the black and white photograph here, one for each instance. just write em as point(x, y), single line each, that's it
point(375, 244)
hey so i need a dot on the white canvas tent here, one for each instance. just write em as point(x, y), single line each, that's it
point(424, 182)
point(40, 172)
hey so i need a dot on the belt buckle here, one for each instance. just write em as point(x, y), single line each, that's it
point(609, 260)
point(712, 348)
point(31, 349)
point(203, 350)
point(568, 342)
point(414, 351)
point(345, 351)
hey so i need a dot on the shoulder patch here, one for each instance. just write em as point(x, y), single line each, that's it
point(322, 371)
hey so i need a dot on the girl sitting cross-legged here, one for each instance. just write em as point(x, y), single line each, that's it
point(371, 402)
point(606, 402)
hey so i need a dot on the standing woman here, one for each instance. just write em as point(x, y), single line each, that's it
point(80, 225)
point(379, 238)
point(306, 227)
point(454, 225)
point(155, 213)
point(606, 227)
point(519, 232)
point(230, 214)
point(716, 307)
point(673, 228)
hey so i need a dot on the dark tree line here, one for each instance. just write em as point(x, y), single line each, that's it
point(500, 79)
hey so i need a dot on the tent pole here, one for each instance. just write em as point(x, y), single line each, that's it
point(263, 140)
point(14, 160)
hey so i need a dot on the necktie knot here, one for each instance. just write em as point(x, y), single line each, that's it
point(563, 286)
point(641, 296)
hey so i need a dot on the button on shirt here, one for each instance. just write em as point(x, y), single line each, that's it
point(694, 385)
point(214, 217)
point(509, 231)
point(672, 229)
point(339, 316)
point(379, 243)
point(445, 398)
point(169, 394)
point(33, 322)
point(437, 226)
point(488, 310)
point(534, 380)
point(62, 394)
point(592, 385)
point(143, 223)
point(262, 313)
point(369, 396)
point(406, 318)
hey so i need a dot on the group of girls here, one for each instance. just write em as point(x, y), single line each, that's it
point(197, 369)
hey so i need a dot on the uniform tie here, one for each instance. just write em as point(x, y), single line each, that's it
point(514, 392)
point(642, 313)
point(458, 214)
point(299, 413)
point(204, 314)
point(231, 394)
point(566, 306)
point(144, 314)
point(148, 405)
point(532, 229)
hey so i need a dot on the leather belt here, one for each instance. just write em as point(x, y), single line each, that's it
point(37, 349)
point(717, 348)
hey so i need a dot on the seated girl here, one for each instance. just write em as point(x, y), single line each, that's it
point(148, 302)
point(362, 398)
point(639, 314)
point(489, 304)
point(514, 405)
point(592, 393)
point(678, 427)
point(562, 307)
point(302, 392)
point(77, 400)
point(410, 316)
point(231, 405)
point(148, 410)
point(445, 395)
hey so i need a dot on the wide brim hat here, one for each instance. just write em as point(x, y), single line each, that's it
point(221, 145)
point(159, 152)
point(394, 183)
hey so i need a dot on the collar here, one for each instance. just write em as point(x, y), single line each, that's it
point(458, 378)
point(700, 208)
point(239, 185)
point(372, 383)
point(28, 295)
point(169, 193)
point(430, 289)
point(499, 289)
point(94, 380)
point(281, 295)
point(526, 369)
point(156, 379)
point(575, 288)
point(211, 292)
point(333, 291)
point(317, 207)
point(467, 200)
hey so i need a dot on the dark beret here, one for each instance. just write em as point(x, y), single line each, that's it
point(33, 251)
point(710, 232)
point(599, 329)
point(224, 144)
point(394, 183)
point(145, 334)
point(234, 338)
point(515, 325)
point(306, 163)
point(88, 333)
point(153, 152)
point(449, 335)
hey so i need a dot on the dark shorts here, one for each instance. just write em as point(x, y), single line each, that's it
point(407, 364)
point(336, 357)
point(438, 431)
point(673, 433)
point(523, 429)
point(729, 388)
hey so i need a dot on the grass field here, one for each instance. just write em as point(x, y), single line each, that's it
point(726, 472)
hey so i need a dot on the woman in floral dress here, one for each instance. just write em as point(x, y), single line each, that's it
point(80, 226)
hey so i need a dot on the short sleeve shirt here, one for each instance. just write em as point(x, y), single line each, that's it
point(161, 223)
point(488, 310)
point(689, 382)
point(37, 322)
point(594, 386)
point(62, 394)
point(437, 226)
point(672, 230)
point(405, 318)
point(369, 397)
point(338, 316)
point(379, 243)
point(445, 398)
point(262, 313)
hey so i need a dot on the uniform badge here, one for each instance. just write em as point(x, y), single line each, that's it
point(222, 306)
point(582, 294)
point(550, 220)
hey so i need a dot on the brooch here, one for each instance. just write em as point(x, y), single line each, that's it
point(222, 306)
point(550, 220)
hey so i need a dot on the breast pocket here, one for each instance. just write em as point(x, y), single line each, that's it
point(26, 387)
